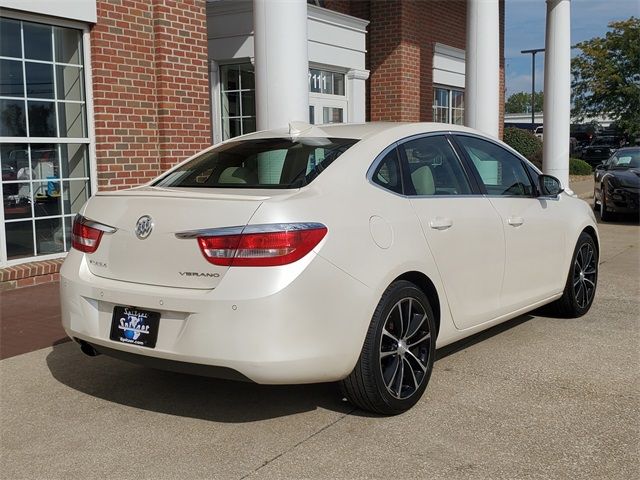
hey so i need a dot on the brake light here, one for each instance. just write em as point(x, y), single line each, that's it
point(262, 245)
point(86, 234)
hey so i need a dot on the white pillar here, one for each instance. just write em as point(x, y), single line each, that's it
point(356, 93)
point(557, 90)
point(482, 75)
point(214, 89)
point(281, 62)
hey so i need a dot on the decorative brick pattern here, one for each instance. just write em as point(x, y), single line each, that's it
point(182, 79)
point(150, 87)
point(28, 274)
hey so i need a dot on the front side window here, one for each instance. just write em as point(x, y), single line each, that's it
point(448, 105)
point(44, 150)
point(501, 172)
point(434, 168)
point(263, 163)
point(238, 102)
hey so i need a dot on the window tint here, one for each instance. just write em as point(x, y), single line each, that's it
point(387, 173)
point(434, 168)
point(501, 172)
point(264, 163)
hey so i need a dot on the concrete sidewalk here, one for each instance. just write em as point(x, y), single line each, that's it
point(582, 187)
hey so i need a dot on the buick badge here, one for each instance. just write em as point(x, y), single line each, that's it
point(144, 226)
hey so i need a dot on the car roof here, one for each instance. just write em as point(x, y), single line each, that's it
point(358, 131)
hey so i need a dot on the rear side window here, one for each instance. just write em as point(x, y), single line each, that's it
point(262, 163)
point(502, 173)
point(434, 168)
point(387, 174)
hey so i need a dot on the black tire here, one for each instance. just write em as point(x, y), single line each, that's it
point(402, 316)
point(605, 215)
point(580, 290)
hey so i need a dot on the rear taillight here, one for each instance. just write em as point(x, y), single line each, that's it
point(86, 234)
point(261, 245)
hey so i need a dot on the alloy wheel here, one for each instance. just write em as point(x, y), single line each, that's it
point(405, 348)
point(584, 275)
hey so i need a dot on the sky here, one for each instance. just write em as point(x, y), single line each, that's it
point(524, 29)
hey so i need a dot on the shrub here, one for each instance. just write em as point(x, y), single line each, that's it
point(525, 143)
point(579, 167)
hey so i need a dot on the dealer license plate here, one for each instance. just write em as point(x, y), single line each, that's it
point(135, 326)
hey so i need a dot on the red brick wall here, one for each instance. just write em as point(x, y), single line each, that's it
point(400, 44)
point(150, 87)
point(395, 56)
point(447, 20)
point(182, 76)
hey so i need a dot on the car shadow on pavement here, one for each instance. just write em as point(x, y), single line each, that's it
point(184, 395)
point(207, 398)
point(482, 336)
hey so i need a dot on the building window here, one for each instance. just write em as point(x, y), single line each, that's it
point(238, 100)
point(327, 99)
point(44, 138)
point(448, 105)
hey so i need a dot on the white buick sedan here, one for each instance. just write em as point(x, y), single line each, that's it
point(337, 253)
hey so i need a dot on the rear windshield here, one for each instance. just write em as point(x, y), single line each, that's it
point(263, 163)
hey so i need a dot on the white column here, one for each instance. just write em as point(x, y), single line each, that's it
point(281, 62)
point(557, 90)
point(356, 95)
point(482, 76)
point(214, 92)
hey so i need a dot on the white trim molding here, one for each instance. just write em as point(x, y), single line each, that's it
point(356, 93)
point(449, 66)
point(80, 10)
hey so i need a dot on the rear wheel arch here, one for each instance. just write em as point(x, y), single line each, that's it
point(424, 283)
point(592, 233)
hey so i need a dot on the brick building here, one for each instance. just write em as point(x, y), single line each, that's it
point(106, 94)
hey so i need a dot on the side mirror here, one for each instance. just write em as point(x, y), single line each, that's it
point(549, 186)
point(602, 166)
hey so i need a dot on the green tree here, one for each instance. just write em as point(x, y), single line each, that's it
point(521, 102)
point(606, 76)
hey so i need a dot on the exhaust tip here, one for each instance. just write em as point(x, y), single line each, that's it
point(88, 349)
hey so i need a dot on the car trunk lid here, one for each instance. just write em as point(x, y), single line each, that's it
point(161, 258)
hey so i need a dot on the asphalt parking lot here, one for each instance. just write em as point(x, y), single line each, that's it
point(536, 397)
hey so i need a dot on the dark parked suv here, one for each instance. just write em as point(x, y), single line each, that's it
point(600, 150)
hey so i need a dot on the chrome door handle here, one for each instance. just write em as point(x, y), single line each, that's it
point(440, 223)
point(515, 221)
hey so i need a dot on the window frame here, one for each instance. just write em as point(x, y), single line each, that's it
point(320, 100)
point(449, 107)
point(89, 140)
point(526, 165)
point(240, 92)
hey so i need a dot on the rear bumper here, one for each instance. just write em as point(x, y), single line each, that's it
point(300, 323)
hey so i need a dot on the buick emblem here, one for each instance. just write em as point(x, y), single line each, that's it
point(144, 226)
